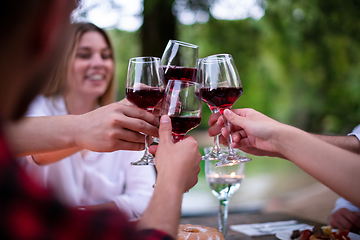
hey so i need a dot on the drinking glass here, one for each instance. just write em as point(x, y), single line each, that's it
point(145, 89)
point(183, 104)
point(221, 87)
point(179, 61)
point(224, 181)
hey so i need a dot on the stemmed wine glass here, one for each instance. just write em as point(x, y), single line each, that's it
point(221, 87)
point(145, 89)
point(183, 104)
point(179, 61)
point(215, 153)
point(224, 181)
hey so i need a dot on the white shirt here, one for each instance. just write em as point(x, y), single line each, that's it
point(341, 202)
point(95, 178)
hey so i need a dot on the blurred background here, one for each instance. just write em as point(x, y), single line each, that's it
point(299, 62)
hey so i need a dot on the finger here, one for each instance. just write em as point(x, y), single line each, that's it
point(234, 118)
point(126, 102)
point(224, 132)
point(131, 146)
point(214, 130)
point(213, 118)
point(165, 130)
point(153, 149)
point(138, 113)
point(137, 125)
point(129, 136)
point(236, 137)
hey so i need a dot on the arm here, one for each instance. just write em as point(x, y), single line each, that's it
point(175, 176)
point(119, 130)
point(350, 143)
point(335, 167)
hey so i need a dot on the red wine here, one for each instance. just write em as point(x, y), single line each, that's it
point(222, 97)
point(212, 108)
point(181, 125)
point(145, 98)
point(179, 73)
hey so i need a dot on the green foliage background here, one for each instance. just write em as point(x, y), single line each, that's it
point(299, 64)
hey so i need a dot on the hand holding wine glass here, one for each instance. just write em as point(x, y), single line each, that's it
point(182, 104)
point(145, 89)
point(221, 87)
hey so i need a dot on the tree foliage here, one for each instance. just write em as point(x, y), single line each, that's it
point(299, 64)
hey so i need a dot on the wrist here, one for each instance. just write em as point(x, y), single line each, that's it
point(283, 138)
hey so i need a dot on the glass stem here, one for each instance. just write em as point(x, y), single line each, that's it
point(223, 214)
point(146, 145)
point(229, 139)
point(216, 146)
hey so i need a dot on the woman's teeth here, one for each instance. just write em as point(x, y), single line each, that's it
point(96, 77)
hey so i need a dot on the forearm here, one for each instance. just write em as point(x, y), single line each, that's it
point(350, 143)
point(164, 210)
point(335, 167)
point(34, 135)
point(51, 157)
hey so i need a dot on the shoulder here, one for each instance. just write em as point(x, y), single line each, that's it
point(46, 106)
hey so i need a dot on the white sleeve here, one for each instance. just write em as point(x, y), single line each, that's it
point(342, 203)
point(138, 187)
point(356, 132)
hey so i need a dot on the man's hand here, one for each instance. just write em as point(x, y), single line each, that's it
point(251, 131)
point(345, 219)
point(117, 126)
point(178, 162)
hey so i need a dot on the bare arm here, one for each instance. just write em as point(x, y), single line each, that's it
point(335, 167)
point(113, 127)
point(350, 143)
point(175, 176)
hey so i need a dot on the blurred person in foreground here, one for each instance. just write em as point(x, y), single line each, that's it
point(257, 134)
point(35, 34)
point(84, 81)
point(345, 214)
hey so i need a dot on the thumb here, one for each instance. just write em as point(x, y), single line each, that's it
point(234, 118)
point(165, 129)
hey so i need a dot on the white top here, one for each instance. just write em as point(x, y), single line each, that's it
point(341, 202)
point(95, 178)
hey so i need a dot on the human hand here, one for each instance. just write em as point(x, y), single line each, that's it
point(178, 163)
point(116, 126)
point(345, 219)
point(252, 132)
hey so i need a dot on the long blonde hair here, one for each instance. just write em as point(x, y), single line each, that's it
point(57, 85)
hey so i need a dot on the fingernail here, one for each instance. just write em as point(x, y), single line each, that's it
point(165, 119)
point(227, 112)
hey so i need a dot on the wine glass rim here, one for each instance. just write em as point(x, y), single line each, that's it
point(217, 58)
point(148, 59)
point(184, 43)
point(182, 81)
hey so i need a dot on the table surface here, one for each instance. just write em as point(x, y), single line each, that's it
point(244, 218)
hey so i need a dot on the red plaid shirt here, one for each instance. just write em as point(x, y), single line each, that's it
point(29, 212)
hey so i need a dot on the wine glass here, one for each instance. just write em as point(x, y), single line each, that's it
point(215, 153)
point(179, 61)
point(224, 181)
point(145, 89)
point(221, 87)
point(183, 104)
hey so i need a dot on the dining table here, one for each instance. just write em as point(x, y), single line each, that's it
point(245, 218)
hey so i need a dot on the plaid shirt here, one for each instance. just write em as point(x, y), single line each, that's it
point(28, 211)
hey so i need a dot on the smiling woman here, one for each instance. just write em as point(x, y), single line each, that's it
point(83, 82)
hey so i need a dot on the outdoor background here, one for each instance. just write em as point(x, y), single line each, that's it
point(299, 62)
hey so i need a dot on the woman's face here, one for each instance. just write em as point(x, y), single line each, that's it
point(92, 69)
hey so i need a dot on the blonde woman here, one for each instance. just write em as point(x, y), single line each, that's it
point(83, 82)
